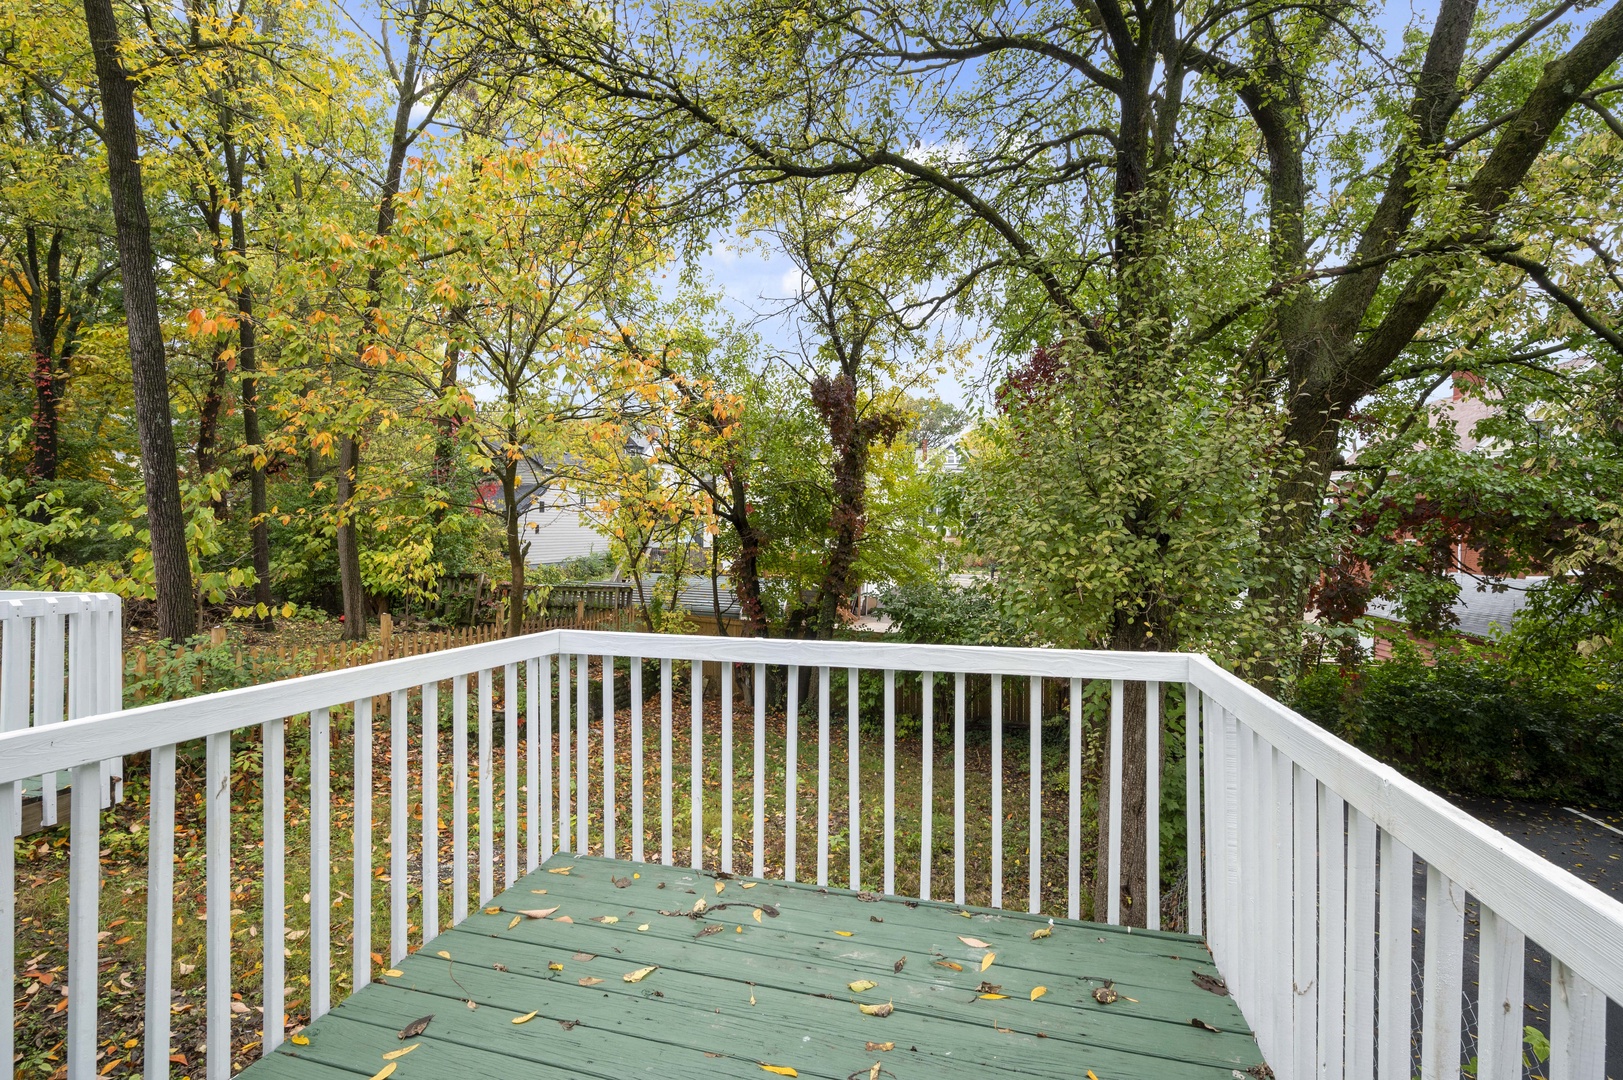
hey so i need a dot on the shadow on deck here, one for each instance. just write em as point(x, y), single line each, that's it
point(762, 977)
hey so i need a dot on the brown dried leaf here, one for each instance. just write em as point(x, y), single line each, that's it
point(537, 913)
point(569, 1025)
point(565, 919)
point(564, 870)
point(590, 980)
point(720, 886)
point(584, 957)
point(884, 1008)
point(899, 965)
point(493, 911)
point(714, 928)
point(949, 965)
point(1106, 995)
point(1198, 1022)
point(416, 1027)
point(1211, 984)
point(620, 882)
point(974, 943)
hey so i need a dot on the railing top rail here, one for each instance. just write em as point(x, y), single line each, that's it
point(1576, 922)
point(94, 738)
point(32, 605)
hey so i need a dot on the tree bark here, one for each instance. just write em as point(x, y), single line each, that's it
point(349, 552)
point(177, 617)
point(746, 569)
point(515, 551)
point(248, 357)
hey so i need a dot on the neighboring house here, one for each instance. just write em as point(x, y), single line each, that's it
point(555, 523)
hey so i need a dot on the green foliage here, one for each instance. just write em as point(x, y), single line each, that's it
point(197, 667)
point(1471, 723)
point(943, 613)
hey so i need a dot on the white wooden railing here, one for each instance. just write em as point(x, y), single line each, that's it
point(1304, 848)
point(61, 657)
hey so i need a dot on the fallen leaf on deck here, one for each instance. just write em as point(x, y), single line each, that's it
point(539, 892)
point(756, 914)
point(393, 1054)
point(966, 914)
point(712, 929)
point(988, 988)
point(555, 966)
point(584, 957)
point(698, 906)
point(949, 965)
point(1212, 985)
point(471, 1004)
point(300, 1040)
point(1042, 932)
point(1197, 1022)
point(590, 980)
point(986, 961)
point(643, 928)
point(882, 1009)
point(1091, 1076)
point(899, 965)
point(493, 911)
point(537, 913)
point(720, 886)
point(871, 1047)
point(845, 933)
point(748, 884)
point(873, 1073)
point(640, 974)
point(386, 1071)
point(620, 882)
point(559, 870)
point(416, 1027)
point(994, 997)
point(606, 920)
point(444, 955)
point(525, 1019)
point(393, 973)
point(777, 1070)
point(499, 967)
point(974, 943)
point(565, 919)
point(569, 1025)
point(1106, 995)
point(516, 920)
point(1038, 991)
point(861, 985)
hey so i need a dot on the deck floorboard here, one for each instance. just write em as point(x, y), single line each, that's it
point(761, 976)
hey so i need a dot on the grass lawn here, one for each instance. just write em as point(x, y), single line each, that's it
point(42, 858)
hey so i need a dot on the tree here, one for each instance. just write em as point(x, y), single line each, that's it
point(177, 617)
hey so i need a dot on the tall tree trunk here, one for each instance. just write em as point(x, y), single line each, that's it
point(746, 569)
point(248, 357)
point(349, 551)
point(177, 618)
point(443, 472)
point(515, 551)
point(47, 386)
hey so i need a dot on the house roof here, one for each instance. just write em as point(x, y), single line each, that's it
point(696, 597)
point(1479, 609)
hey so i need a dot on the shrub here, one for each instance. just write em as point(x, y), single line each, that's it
point(942, 613)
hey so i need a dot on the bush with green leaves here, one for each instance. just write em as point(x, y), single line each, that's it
point(1470, 723)
point(943, 613)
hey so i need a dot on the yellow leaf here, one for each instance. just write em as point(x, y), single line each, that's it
point(974, 942)
point(493, 911)
point(860, 985)
point(986, 961)
point(635, 876)
point(393, 1054)
point(558, 870)
point(966, 914)
point(539, 892)
point(300, 1040)
point(698, 905)
point(393, 973)
point(844, 933)
point(525, 1019)
point(720, 886)
point(609, 920)
point(779, 1070)
point(993, 997)
point(1041, 932)
point(555, 966)
point(882, 1047)
point(882, 1009)
point(1038, 991)
point(748, 884)
point(1091, 1076)
point(386, 1071)
point(444, 955)
point(640, 974)
point(757, 914)
point(949, 964)
point(643, 928)
point(516, 920)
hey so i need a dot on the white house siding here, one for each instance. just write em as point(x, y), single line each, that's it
point(559, 533)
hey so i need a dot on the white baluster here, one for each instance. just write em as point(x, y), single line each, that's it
point(217, 933)
point(536, 709)
point(1305, 922)
point(758, 838)
point(565, 832)
point(1152, 806)
point(430, 700)
point(1499, 1001)
point(853, 779)
point(583, 756)
point(510, 763)
point(927, 779)
point(1396, 956)
point(696, 768)
point(822, 774)
point(1034, 863)
point(1440, 1004)
point(274, 781)
point(320, 865)
point(543, 767)
point(997, 791)
point(1073, 813)
point(727, 766)
point(637, 778)
point(890, 781)
point(1360, 973)
point(459, 799)
point(1113, 878)
point(160, 912)
point(487, 781)
point(10, 826)
point(666, 765)
point(958, 789)
point(399, 840)
point(609, 791)
point(1191, 762)
point(84, 919)
point(48, 694)
point(1332, 932)
point(1577, 1025)
point(791, 772)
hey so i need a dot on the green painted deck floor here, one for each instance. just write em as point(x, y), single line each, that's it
point(762, 977)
